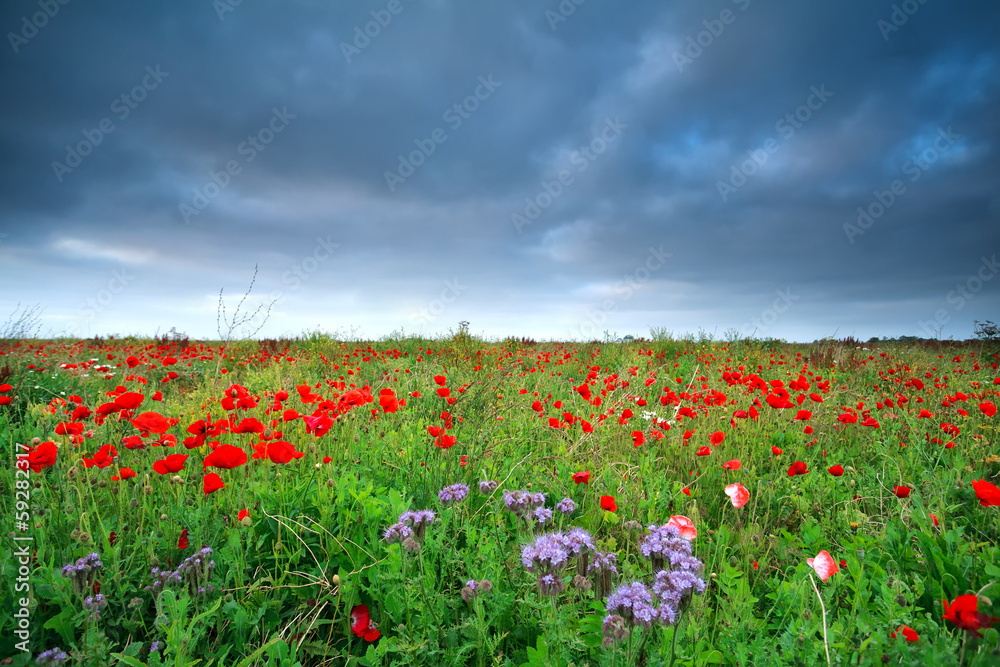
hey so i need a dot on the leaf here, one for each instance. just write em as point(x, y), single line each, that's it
point(538, 657)
point(62, 623)
point(129, 660)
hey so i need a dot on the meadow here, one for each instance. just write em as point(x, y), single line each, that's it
point(465, 502)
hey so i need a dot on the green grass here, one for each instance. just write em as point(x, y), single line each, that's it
point(286, 582)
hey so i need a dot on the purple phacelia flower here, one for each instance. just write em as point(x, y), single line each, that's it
point(453, 494)
point(566, 506)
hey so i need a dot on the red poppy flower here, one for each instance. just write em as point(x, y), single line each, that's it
point(934, 519)
point(326, 459)
point(42, 456)
point(732, 465)
point(901, 491)
point(582, 477)
point(638, 438)
point(608, 503)
point(685, 527)
point(440, 379)
point(123, 474)
point(278, 451)
point(824, 564)
point(212, 483)
point(182, 541)
point(387, 399)
point(129, 401)
point(908, 633)
point(803, 415)
point(226, 457)
point(738, 494)
point(988, 494)
point(686, 491)
point(103, 458)
point(988, 408)
point(151, 422)
point(964, 613)
point(717, 438)
point(444, 441)
point(111, 538)
point(443, 392)
point(836, 470)
point(248, 425)
point(703, 451)
point(318, 425)
point(243, 514)
point(361, 624)
point(170, 464)
point(797, 468)
point(777, 451)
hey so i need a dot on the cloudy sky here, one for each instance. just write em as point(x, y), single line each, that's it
point(794, 170)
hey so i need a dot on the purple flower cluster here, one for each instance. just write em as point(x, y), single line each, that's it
point(523, 503)
point(487, 487)
point(602, 569)
point(411, 527)
point(453, 494)
point(54, 656)
point(566, 506)
point(83, 572)
point(633, 603)
point(94, 604)
point(664, 546)
point(195, 571)
point(549, 555)
point(474, 589)
point(541, 516)
point(676, 575)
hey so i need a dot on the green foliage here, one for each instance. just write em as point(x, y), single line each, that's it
point(287, 579)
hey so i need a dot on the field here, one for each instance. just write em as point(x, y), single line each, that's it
point(460, 502)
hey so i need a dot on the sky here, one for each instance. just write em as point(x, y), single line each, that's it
point(555, 170)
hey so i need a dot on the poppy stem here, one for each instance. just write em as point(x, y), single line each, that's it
point(823, 608)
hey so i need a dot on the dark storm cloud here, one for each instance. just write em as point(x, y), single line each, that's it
point(587, 139)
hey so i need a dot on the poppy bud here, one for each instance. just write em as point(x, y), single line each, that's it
point(163, 517)
point(959, 483)
point(312, 447)
point(74, 534)
point(901, 600)
point(68, 509)
point(72, 473)
point(246, 522)
point(133, 503)
point(147, 490)
point(861, 554)
point(176, 479)
point(329, 483)
point(336, 580)
point(84, 537)
point(103, 483)
point(806, 615)
point(733, 561)
point(154, 561)
point(277, 475)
